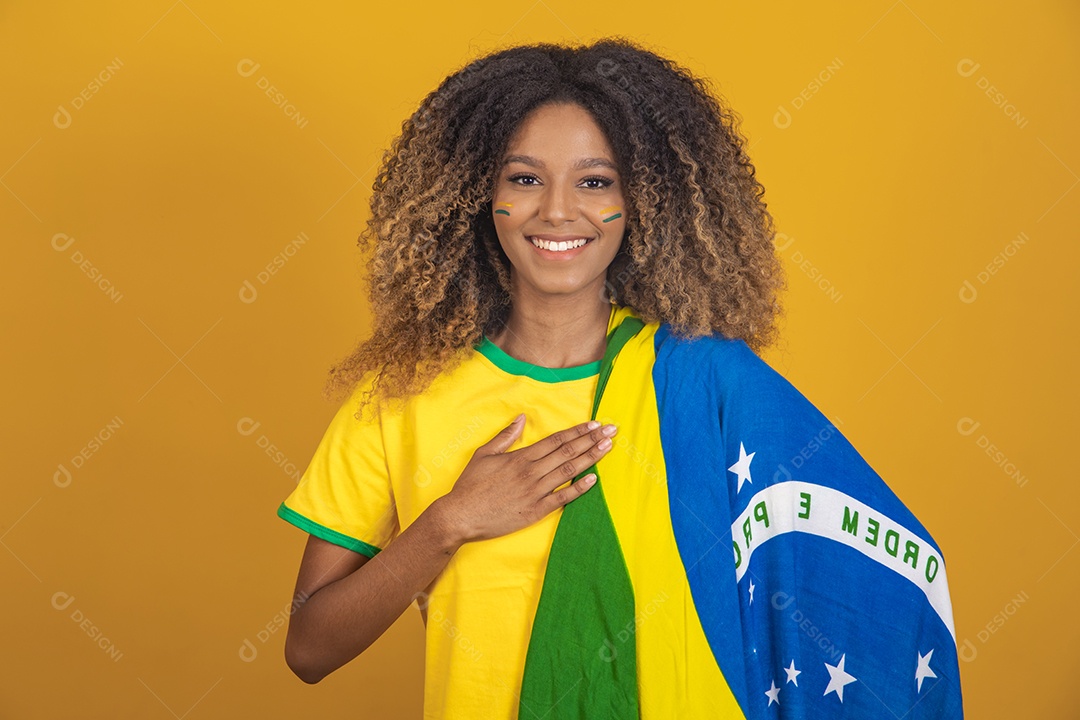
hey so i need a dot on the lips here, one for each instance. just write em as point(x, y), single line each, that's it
point(554, 240)
point(558, 238)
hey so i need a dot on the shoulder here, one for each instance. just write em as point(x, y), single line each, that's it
point(728, 362)
point(711, 348)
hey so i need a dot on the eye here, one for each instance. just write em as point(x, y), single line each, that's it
point(521, 176)
point(604, 182)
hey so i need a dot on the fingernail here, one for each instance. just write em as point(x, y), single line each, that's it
point(593, 424)
point(589, 479)
point(609, 430)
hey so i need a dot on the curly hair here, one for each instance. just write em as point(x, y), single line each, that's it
point(697, 252)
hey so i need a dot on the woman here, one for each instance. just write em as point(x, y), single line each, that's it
point(575, 236)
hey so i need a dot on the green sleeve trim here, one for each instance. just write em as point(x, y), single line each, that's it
point(325, 533)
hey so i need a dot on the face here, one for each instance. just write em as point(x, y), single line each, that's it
point(559, 183)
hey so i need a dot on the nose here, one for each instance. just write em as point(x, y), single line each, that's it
point(558, 203)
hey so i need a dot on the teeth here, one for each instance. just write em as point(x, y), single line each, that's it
point(559, 246)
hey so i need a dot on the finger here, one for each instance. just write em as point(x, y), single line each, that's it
point(504, 438)
point(555, 441)
point(557, 499)
point(570, 459)
point(566, 472)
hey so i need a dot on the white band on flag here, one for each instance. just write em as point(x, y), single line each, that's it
point(795, 506)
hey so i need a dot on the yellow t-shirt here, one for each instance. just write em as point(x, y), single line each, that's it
point(369, 480)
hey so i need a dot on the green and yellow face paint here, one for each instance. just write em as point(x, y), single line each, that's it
point(611, 209)
point(501, 210)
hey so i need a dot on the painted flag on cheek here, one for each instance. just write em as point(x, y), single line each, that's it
point(737, 558)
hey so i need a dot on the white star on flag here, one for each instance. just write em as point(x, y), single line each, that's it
point(752, 595)
point(774, 694)
point(792, 673)
point(923, 671)
point(838, 678)
point(742, 467)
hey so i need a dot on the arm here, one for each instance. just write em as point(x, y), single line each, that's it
point(347, 600)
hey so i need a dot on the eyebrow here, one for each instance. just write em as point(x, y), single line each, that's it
point(581, 164)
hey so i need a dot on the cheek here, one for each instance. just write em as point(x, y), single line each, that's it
point(502, 210)
point(504, 221)
point(507, 233)
point(615, 227)
point(508, 216)
point(612, 215)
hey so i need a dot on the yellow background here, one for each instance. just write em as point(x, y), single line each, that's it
point(897, 179)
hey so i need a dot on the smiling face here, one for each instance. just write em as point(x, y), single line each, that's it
point(559, 184)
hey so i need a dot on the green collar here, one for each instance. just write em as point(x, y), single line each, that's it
point(513, 366)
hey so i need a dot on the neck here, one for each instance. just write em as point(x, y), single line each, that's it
point(561, 332)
